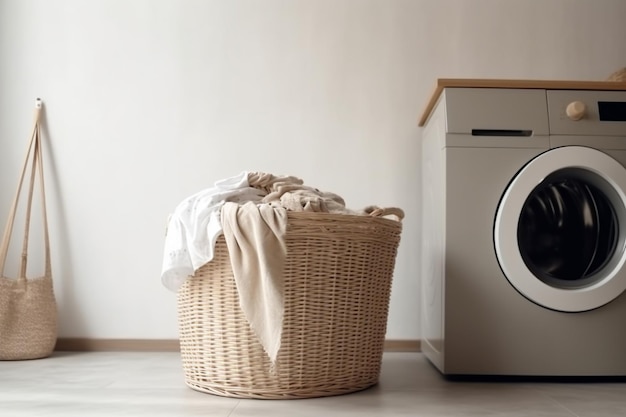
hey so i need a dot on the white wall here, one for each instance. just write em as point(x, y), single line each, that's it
point(148, 101)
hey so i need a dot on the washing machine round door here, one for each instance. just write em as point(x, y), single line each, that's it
point(560, 229)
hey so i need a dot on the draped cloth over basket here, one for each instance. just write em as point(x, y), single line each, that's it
point(336, 284)
point(28, 315)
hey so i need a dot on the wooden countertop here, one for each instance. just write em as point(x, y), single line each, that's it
point(492, 83)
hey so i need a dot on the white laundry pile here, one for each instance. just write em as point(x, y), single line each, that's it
point(251, 211)
point(194, 226)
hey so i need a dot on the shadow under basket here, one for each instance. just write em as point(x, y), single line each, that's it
point(338, 274)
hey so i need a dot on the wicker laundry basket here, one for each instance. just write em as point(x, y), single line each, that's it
point(337, 284)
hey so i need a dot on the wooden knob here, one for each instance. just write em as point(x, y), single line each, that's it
point(576, 110)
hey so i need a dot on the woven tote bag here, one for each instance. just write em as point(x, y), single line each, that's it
point(28, 314)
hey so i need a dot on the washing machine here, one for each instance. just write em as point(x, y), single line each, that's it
point(524, 229)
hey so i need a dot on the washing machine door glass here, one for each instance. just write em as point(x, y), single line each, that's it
point(568, 229)
point(560, 229)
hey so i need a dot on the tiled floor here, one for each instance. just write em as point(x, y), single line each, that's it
point(151, 384)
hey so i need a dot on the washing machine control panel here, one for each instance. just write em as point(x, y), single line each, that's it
point(583, 112)
point(608, 111)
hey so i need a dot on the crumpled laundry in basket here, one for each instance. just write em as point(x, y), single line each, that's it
point(250, 209)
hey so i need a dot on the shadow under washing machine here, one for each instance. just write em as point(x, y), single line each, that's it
point(524, 232)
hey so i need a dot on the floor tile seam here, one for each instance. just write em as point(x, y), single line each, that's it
point(234, 408)
point(558, 403)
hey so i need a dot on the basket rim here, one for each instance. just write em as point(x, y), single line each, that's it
point(316, 215)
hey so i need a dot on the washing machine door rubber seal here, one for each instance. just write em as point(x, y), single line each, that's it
point(602, 176)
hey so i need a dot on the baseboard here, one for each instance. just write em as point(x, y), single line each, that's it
point(117, 345)
point(172, 345)
point(402, 346)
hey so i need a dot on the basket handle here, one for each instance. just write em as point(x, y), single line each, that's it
point(385, 211)
point(33, 161)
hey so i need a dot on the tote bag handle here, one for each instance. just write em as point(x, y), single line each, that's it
point(33, 161)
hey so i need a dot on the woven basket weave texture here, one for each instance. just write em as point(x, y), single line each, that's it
point(338, 276)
